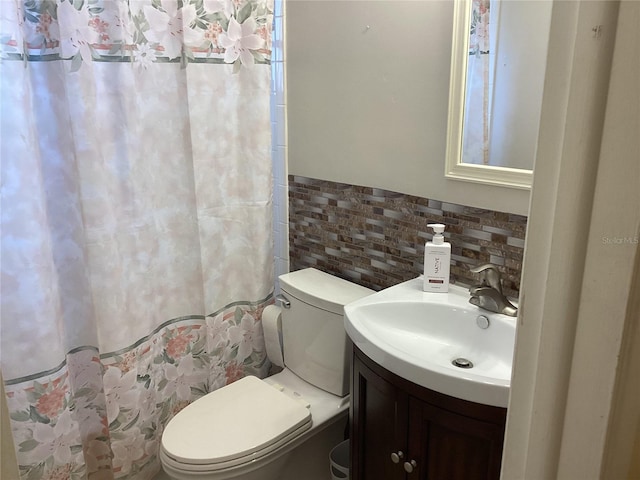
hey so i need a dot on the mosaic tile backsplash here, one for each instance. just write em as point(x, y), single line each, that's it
point(376, 237)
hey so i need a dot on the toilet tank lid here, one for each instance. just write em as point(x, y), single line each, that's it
point(321, 289)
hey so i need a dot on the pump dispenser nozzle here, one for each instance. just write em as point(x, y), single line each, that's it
point(438, 229)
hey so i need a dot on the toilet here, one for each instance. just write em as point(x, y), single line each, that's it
point(302, 410)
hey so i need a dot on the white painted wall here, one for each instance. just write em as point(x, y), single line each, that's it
point(606, 355)
point(580, 295)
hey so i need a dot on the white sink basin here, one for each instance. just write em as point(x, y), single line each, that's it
point(417, 335)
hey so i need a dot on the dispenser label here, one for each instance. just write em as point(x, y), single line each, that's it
point(436, 265)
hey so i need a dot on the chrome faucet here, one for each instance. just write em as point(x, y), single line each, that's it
point(488, 295)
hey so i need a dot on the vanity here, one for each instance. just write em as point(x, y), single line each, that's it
point(402, 430)
point(429, 385)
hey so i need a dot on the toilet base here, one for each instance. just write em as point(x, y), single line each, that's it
point(310, 460)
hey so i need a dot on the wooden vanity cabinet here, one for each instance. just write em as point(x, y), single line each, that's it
point(400, 430)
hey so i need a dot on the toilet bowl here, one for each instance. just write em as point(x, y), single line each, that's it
point(275, 428)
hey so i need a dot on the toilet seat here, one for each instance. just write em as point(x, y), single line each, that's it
point(230, 464)
point(233, 425)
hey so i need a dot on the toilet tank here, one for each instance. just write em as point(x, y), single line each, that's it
point(313, 334)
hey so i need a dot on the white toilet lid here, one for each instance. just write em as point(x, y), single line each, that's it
point(240, 419)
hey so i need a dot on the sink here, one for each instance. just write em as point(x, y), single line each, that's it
point(420, 335)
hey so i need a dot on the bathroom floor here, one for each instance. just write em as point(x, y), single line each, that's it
point(161, 476)
point(164, 476)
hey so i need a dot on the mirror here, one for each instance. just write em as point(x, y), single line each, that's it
point(498, 62)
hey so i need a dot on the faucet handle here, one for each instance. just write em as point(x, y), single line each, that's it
point(489, 276)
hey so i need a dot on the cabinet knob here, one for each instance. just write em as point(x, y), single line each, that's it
point(409, 466)
point(396, 457)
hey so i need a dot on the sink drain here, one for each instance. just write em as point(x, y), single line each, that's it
point(462, 363)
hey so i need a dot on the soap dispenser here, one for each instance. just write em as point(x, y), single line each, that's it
point(437, 261)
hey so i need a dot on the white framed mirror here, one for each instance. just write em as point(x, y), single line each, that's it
point(499, 54)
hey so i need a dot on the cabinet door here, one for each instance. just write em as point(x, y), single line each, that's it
point(379, 426)
point(449, 446)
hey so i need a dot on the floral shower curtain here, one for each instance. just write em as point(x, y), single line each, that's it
point(136, 221)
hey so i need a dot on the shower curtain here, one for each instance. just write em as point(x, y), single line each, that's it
point(136, 250)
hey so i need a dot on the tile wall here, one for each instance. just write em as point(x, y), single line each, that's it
point(279, 145)
point(376, 237)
